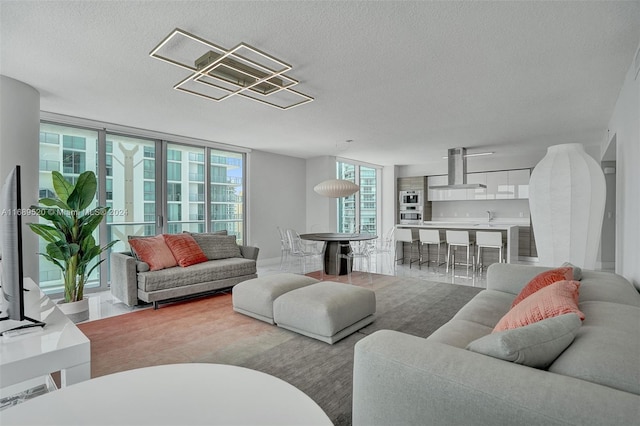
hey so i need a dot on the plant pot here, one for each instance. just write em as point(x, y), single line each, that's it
point(75, 311)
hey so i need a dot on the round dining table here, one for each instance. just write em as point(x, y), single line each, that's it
point(337, 243)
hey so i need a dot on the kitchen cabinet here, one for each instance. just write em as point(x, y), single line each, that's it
point(519, 183)
point(415, 183)
point(501, 185)
point(496, 185)
point(477, 193)
point(436, 194)
point(527, 242)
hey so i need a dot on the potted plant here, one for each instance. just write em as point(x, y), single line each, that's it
point(71, 245)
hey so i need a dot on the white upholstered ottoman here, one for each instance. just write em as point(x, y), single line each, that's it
point(326, 311)
point(255, 297)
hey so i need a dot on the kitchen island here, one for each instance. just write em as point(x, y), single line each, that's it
point(509, 233)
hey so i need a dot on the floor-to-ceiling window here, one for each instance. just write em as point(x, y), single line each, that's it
point(70, 151)
point(227, 193)
point(152, 185)
point(359, 212)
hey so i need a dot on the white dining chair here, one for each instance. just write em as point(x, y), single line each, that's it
point(491, 240)
point(299, 250)
point(429, 237)
point(406, 235)
point(458, 239)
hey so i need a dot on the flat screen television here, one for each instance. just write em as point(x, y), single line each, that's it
point(11, 282)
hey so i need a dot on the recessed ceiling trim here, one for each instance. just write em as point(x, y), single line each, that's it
point(229, 73)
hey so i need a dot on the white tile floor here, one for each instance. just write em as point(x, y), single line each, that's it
point(103, 305)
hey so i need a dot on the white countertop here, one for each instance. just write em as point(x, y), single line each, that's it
point(462, 225)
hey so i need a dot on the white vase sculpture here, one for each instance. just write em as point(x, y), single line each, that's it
point(566, 196)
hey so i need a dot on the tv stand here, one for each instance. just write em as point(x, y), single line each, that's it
point(59, 346)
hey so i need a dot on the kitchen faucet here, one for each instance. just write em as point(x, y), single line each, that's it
point(489, 213)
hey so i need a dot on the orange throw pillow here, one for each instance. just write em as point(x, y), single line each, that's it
point(153, 251)
point(555, 299)
point(542, 280)
point(185, 249)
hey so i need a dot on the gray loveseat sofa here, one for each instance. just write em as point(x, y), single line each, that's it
point(401, 379)
point(131, 279)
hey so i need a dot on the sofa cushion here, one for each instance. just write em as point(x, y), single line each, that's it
point(209, 271)
point(536, 345)
point(556, 299)
point(185, 249)
point(606, 347)
point(542, 280)
point(486, 308)
point(607, 287)
point(217, 246)
point(153, 251)
point(459, 333)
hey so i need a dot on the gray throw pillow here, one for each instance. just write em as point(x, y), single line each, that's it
point(142, 266)
point(221, 232)
point(535, 345)
point(577, 272)
point(216, 246)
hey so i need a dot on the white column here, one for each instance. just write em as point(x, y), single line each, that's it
point(19, 135)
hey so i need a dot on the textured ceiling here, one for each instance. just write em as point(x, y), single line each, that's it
point(404, 80)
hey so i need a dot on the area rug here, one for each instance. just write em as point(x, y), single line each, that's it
point(208, 330)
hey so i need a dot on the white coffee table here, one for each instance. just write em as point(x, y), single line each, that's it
point(175, 394)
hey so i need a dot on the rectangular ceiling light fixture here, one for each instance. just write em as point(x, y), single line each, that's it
point(218, 74)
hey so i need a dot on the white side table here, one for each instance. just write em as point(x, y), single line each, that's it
point(60, 346)
point(175, 394)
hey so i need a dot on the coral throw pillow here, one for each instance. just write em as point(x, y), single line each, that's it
point(153, 251)
point(555, 299)
point(185, 249)
point(542, 280)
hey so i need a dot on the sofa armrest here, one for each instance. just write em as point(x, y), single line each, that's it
point(249, 252)
point(511, 278)
point(402, 379)
point(124, 278)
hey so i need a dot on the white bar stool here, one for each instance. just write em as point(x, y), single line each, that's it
point(429, 237)
point(458, 239)
point(489, 240)
point(406, 235)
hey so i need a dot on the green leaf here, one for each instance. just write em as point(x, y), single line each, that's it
point(59, 250)
point(94, 267)
point(49, 233)
point(62, 187)
point(89, 222)
point(73, 249)
point(54, 202)
point(52, 260)
point(84, 192)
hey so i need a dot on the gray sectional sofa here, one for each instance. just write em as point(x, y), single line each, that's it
point(132, 281)
point(401, 379)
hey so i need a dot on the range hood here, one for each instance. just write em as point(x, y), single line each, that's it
point(457, 172)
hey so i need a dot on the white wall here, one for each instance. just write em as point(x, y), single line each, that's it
point(19, 130)
point(388, 197)
point(624, 128)
point(277, 192)
point(322, 212)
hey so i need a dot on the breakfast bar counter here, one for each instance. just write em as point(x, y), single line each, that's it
point(509, 232)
